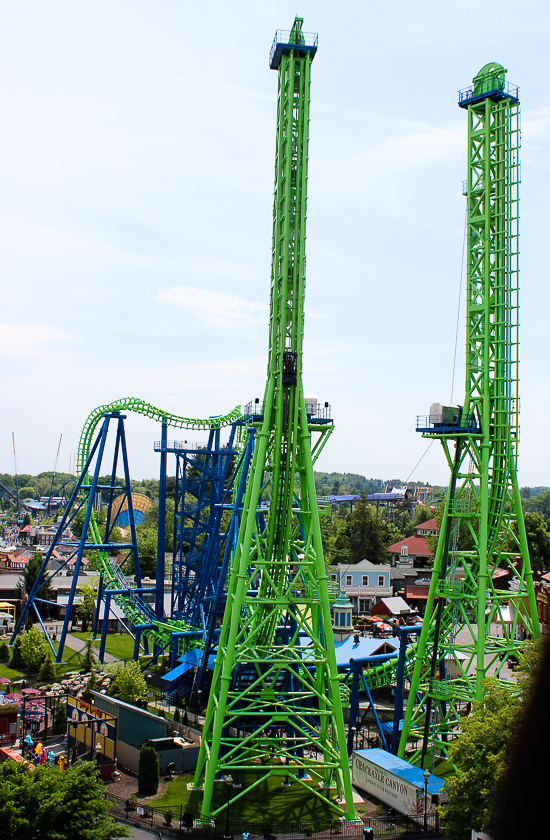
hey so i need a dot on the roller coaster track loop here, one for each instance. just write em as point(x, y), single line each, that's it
point(139, 406)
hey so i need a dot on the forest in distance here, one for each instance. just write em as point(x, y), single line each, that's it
point(351, 533)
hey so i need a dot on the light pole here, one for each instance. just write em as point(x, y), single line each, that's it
point(229, 783)
point(97, 753)
point(426, 775)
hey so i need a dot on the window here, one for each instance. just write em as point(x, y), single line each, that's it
point(349, 619)
point(333, 577)
point(348, 580)
point(380, 580)
point(404, 551)
point(365, 580)
point(336, 619)
point(363, 605)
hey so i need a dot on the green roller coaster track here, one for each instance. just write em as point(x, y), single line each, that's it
point(133, 606)
point(138, 406)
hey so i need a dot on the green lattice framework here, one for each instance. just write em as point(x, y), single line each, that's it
point(133, 607)
point(271, 696)
point(483, 499)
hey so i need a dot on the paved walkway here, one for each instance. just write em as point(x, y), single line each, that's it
point(80, 646)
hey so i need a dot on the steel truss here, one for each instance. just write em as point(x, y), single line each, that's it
point(275, 688)
point(481, 448)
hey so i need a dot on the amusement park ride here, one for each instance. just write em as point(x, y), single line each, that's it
point(247, 543)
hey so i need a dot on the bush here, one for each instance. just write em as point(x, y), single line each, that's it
point(47, 669)
point(60, 720)
point(148, 771)
point(131, 803)
point(16, 656)
point(34, 648)
point(168, 817)
point(4, 652)
point(177, 715)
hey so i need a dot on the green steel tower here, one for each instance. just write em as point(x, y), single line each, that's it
point(472, 627)
point(275, 689)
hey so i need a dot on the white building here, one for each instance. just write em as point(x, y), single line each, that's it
point(364, 583)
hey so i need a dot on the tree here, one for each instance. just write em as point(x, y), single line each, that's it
point(538, 541)
point(59, 726)
point(129, 684)
point(16, 660)
point(90, 657)
point(30, 574)
point(480, 755)
point(54, 805)
point(86, 604)
point(27, 519)
point(4, 652)
point(148, 771)
point(365, 535)
point(47, 669)
point(34, 648)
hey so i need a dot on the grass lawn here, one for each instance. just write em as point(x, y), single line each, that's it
point(267, 802)
point(10, 673)
point(121, 646)
point(73, 662)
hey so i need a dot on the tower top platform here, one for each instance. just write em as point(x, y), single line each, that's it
point(490, 83)
point(296, 40)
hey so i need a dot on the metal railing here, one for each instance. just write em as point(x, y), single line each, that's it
point(486, 89)
point(180, 820)
point(439, 423)
point(185, 445)
point(323, 411)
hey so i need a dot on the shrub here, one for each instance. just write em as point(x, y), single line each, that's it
point(177, 715)
point(47, 669)
point(168, 817)
point(4, 652)
point(16, 656)
point(148, 771)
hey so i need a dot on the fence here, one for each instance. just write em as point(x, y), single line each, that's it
point(179, 820)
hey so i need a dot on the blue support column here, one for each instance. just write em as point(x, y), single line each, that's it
point(403, 633)
point(136, 645)
point(98, 606)
point(161, 538)
point(106, 612)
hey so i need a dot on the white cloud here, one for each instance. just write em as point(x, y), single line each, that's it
point(28, 339)
point(217, 309)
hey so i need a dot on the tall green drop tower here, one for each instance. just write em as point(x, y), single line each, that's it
point(474, 624)
point(275, 697)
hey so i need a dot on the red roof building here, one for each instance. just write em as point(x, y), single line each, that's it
point(412, 551)
point(427, 529)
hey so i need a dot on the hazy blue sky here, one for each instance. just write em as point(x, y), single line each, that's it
point(137, 148)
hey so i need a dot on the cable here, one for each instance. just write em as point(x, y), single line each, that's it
point(459, 299)
point(417, 463)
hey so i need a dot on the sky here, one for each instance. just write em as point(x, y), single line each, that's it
point(137, 142)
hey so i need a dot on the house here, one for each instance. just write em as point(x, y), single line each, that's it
point(427, 529)
point(364, 583)
point(392, 608)
point(412, 551)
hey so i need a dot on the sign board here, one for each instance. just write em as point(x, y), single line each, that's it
point(400, 794)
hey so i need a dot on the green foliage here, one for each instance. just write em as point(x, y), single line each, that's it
point(177, 716)
point(129, 684)
point(480, 756)
point(47, 669)
point(25, 494)
point(365, 535)
point(148, 771)
point(59, 726)
point(54, 805)
point(17, 660)
point(4, 652)
point(34, 648)
point(538, 540)
point(30, 574)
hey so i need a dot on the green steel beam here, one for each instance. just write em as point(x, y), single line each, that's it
point(483, 496)
point(273, 696)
